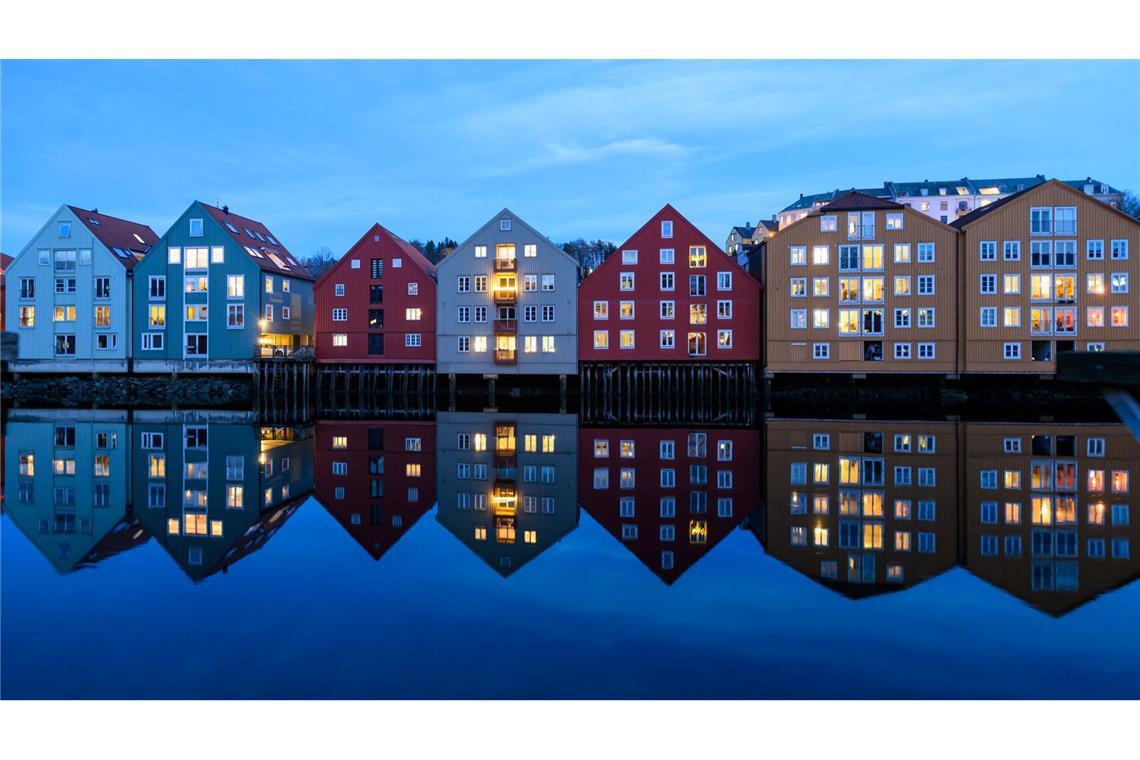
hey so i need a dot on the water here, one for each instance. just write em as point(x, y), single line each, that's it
point(508, 588)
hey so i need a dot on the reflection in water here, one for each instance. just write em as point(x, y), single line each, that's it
point(1039, 510)
point(70, 478)
point(376, 477)
point(506, 483)
point(669, 494)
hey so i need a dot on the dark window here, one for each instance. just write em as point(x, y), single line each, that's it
point(376, 344)
point(376, 294)
point(377, 269)
point(872, 351)
point(375, 516)
point(376, 489)
point(65, 436)
point(375, 438)
point(1066, 446)
point(65, 345)
point(1066, 345)
point(1042, 350)
point(375, 319)
point(376, 465)
point(1042, 445)
point(873, 443)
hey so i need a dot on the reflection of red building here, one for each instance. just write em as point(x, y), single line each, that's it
point(377, 304)
point(377, 478)
point(669, 495)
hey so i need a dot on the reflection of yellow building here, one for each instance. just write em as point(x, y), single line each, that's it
point(507, 483)
point(1049, 510)
point(67, 484)
point(862, 506)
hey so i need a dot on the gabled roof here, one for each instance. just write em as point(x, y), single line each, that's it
point(497, 217)
point(128, 241)
point(5, 260)
point(856, 200)
point(410, 250)
point(262, 246)
point(745, 232)
point(809, 201)
point(964, 221)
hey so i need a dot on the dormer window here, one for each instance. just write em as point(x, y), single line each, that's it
point(196, 229)
point(504, 225)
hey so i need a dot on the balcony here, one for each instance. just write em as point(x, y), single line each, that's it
point(506, 326)
point(266, 351)
point(506, 264)
point(506, 356)
point(504, 295)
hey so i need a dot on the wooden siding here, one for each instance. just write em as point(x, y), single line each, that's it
point(549, 260)
point(604, 285)
point(357, 282)
point(790, 349)
point(982, 349)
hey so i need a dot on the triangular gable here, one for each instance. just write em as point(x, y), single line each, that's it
point(506, 212)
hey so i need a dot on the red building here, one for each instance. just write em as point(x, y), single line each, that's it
point(376, 478)
point(377, 305)
point(669, 294)
point(5, 260)
point(670, 495)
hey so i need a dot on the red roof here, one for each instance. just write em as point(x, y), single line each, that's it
point(128, 240)
point(252, 235)
point(853, 200)
point(5, 260)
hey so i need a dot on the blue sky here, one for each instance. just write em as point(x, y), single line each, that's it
point(320, 150)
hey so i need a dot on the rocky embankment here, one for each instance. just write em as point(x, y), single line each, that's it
point(140, 392)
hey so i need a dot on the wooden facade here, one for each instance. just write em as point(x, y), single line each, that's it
point(1046, 270)
point(861, 285)
point(377, 304)
point(669, 294)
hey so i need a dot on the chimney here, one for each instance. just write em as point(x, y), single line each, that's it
point(94, 211)
point(226, 210)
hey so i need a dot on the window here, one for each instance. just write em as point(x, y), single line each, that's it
point(1011, 351)
point(987, 283)
point(724, 280)
point(667, 339)
point(820, 287)
point(987, 316)
point(1119, 316)
point(821, 350)
point(828, 223)
point(196, 228)
point(894, 220)
point(872, 257)
point(926, 253)
point(798, 255)
point(601, 339)
point(697, 285)
point(926, 317)
point(697, 257)
point(626, 281)
point(798, 318)
point(1041, 220)
point(504, 225)
point(820, 254)
point(902, 253)
point(1011, 250)
point(849, 258)
point(666, 256)
point(626, 339)
point(1119, 282)
point(1065, 220)
point(1119, 250)
point(987, 250)
point(666, 229)
point(798, 287)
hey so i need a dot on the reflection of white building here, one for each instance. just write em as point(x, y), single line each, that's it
point(946, 200)
point(507, 483)
point(67, 484)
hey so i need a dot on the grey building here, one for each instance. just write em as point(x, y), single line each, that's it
point(506, 304)
point(507, 484)
point(69, 293)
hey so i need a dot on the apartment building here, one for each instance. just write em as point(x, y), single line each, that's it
point(861, 285)
point(748, 235)
point(507, 483)
point(216, 292)
point(69, 293)
point(375, 477)
point(69, 474)
point(861, 506)
point(1046, 270)
point(507, 303)
point(669, 494)
point(212, 491)
point(947, 200)
point(669, 294)
point(377, 304)
point(1048, 509)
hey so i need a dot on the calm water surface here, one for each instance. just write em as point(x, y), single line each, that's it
point(529, 555)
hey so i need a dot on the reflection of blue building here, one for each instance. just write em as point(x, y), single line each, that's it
point(67, 484)
point(507, 483)
point(212, 489)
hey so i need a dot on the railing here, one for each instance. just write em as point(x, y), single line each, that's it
point(505, 265)
point(506, 326)
point(284, 352)
point(506, 356)
point(505, 295)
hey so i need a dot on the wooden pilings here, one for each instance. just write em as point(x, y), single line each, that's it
point(359, 389)
point(660, 393)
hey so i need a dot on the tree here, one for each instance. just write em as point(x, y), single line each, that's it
point(320, 262)
point(589, 253)
point(1131, 204)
